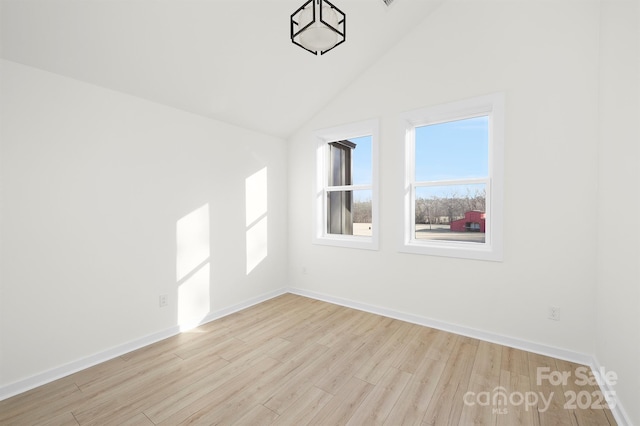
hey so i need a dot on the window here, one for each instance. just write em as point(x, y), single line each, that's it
point(453, 180)
point(346, 186)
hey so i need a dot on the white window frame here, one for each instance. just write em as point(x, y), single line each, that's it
point(322, 139)
point(492, 249)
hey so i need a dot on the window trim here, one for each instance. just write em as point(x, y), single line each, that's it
point(492, 106)
point(322, 139)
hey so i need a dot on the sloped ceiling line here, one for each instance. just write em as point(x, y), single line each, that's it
point(231, 60)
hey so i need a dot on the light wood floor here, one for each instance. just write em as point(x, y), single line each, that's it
point(297, 361)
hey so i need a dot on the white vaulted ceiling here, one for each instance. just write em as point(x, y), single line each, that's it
point(231, 60)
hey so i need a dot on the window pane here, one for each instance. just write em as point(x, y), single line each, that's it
point(340, 163)
point(451, 213)
point(349, 213)
point(350, 162)
point(452, 150)
point(362, 213)
point(362, 164)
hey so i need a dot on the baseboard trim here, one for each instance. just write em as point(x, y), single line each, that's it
point(452, 328)
point(56, 373)
point(21, 386)
point(577, 357)
point(618, 411)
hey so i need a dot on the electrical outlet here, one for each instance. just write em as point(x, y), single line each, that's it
point(554, 313)
point(163, 300)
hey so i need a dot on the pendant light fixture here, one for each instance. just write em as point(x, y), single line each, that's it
point(318, 26)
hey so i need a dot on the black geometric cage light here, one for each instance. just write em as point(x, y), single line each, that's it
point(318, 26)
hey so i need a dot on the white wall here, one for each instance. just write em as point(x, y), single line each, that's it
point(570, 71)
point(94, 184)
point(618, 294)
point(544, 56)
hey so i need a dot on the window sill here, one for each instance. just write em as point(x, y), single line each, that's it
point(453, 249)
point(347, 241)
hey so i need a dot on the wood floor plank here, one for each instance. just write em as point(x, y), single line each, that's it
point(97, 372)
point(341, 407)
point(335, 374)
point(231, 409)
point(487, 365)
point(208, 385)
point(107, 399)
point(515, 361)
point(297, 361)
point(304, 408)
point(106, 383)
point(365, 323)
point(577, 398)
point(312, 326)
point(248, 318)
point(279, 324)
point(284, 394)
point(516, 410)
point(343, 329)
point(340, 372)
point(63, 419)
point(412, 404)
point(138, 419)
point(217, 341)
point(180, 342)
point(259, 415)
point(442, 344)
point(550, 410)
point(485, 377)
point(380, 401)
point(216, 397)
point(373, 368)
point(336, 323)
point(151, 390)
point(476, 413)
point(38, 405)
point(414, 351)
point(453, 384)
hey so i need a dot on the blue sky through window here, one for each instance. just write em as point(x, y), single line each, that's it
point(452, 150)
point(362, 163)
point(452, 191)
point(362, 167)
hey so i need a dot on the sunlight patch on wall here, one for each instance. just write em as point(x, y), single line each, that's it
point(192, 267)
point(256, 244)
point(193, 298)
point(256, 218)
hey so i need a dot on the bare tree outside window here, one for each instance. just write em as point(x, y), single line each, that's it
point(435, 214)
point(451, 168)
point(454, 174)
